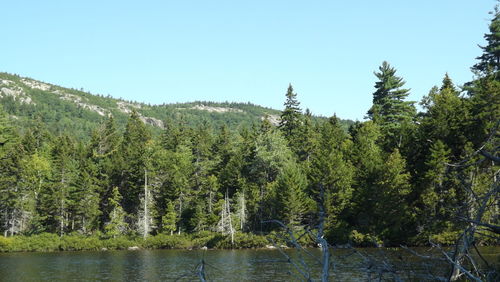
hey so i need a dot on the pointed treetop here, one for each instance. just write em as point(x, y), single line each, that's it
point(290, 117)
point(447, 83)
point(489, 61)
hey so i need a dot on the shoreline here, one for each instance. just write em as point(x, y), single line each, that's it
point(48, 242)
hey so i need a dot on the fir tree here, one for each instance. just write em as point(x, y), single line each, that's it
point(447, 84)
point(11, 193)
point(391, 207)
point(291, 199)
point(331, 174)
point(446, 118)
point(291, 119)
point(437, 194)
point(134, 161)
point(169, 219)
point(116, 225)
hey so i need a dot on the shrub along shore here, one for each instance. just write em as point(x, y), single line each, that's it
point(50, 242)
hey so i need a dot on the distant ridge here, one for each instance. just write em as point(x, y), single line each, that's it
point(77, 112)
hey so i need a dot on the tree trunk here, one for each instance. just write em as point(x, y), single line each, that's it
point(146, 199)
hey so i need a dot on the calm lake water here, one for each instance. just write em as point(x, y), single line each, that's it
point(221, 265)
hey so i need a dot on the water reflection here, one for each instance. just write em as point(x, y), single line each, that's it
point(221, 265)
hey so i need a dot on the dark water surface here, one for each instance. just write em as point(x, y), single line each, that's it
point(221, 265)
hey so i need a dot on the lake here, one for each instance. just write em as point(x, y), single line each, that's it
point(221, 265)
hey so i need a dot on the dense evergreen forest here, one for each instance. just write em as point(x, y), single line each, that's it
point(388, 180)
point(77, 113)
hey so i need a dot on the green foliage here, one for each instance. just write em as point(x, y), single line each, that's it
point(446, 238)
point(489, 61)
point(364, 240)
point(169, 219)
point(72, 179)
point(390, 110)
point(291, 199)
point(117, 225)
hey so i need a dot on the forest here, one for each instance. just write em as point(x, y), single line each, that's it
point(393, 179)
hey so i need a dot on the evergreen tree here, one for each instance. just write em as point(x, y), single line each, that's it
point(171, 136)
point(134, 156)
point(86, 204)
point(307, 138)
point(57, 200)
point(169, 219)
point(104, 164)
point(392, 208)
point(36, 179)
point(447, 84)
point(176, 182)
point(291, 119)
point(438, 196)
point(116, 225)
point(484, 108)
point(11, 192)
point(390, 110)
point(489, 61)
point(445, 118)
point(268, 158)
point(291, 199)
point(8, 136)
point(331, 172)
point(368, 160)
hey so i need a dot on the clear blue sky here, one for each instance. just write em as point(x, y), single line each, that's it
point(178, 51)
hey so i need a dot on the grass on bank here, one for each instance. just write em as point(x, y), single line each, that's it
point(49, 242)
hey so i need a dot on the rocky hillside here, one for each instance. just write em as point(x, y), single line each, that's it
point(77, 112)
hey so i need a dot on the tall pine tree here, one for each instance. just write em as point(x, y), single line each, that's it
point(390, 110)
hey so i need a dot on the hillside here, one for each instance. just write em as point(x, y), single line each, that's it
point(78, 112)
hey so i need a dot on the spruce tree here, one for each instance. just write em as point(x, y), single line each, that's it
point(291, 119)
point(291, 197)
point(56, 201)
point(169, 219)
point(445, 118)
point(367, 157)
point(438, 194)
point(331, 175)
point(86, 203)
point(447, 84)
point(11, 193)
point(105, 164)
point(392, 212)
point(116, 225)
point(134, 162)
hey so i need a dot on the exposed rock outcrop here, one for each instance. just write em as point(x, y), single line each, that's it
point(36, 84)
point(202, 107)
point(16, 92)
point(273, 119)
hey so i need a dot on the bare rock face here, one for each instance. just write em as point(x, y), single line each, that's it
point(36, 84)
point(125, 107)
point(16, 92)
point(6, 82)
point(273, 119)
point(152, 121)
point(202, 107)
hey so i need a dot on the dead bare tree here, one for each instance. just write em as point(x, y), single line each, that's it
point(477, 205)
point(317, 237)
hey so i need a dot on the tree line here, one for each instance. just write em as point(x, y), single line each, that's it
point(383, 181)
